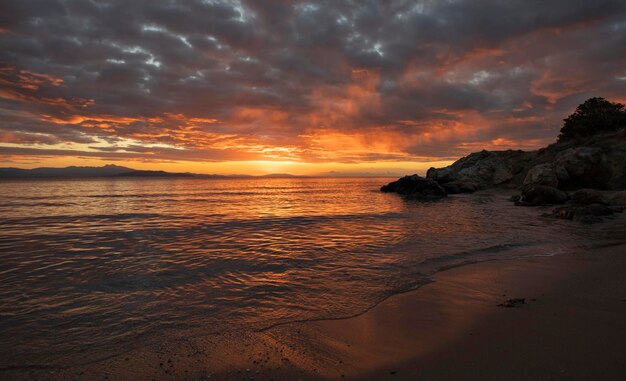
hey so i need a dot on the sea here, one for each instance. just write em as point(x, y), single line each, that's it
point(103, 265)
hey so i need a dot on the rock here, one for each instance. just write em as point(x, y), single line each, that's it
point(599, 165)
point(452, 188)
point(583, 213)
point(480, 170)
point(415, 186)
point(597, 162)
point(515, 302)
point(592, 168)
point(588, 196)
point(542, 174)
point(617, 198)
point(591, 213)
point(461, 187)
point(542, 195)
point(579, 161)
point(561, 175)
point(470, 187)
point(515, 198)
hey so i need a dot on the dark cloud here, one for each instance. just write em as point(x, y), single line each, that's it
point(226, 80)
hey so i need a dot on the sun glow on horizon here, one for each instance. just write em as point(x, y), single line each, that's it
point(253, 167)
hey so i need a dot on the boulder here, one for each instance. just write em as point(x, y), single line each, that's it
point(542, 174)
point(587, 214)
point(598, 167)
point(541, 195)
point(415, 186)
point(561, 175)
point(617, 198)
point(577, 165)
point(454, 187)
point(515, 198)
point(588, 196)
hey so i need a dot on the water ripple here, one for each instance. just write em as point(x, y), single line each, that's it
point(106, 262)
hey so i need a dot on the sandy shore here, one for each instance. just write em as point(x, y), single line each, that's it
point(572, 326)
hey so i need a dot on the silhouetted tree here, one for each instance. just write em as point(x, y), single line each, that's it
point(596, 115)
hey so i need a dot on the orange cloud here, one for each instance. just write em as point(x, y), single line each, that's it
point(22, 86)
point(188, 132)
point(501, 144)
point(27, 79)
point(338, 107)
point(94, 120)
point(267, 118)
point(60, 102)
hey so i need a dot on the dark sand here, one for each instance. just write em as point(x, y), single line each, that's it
point(571, 327)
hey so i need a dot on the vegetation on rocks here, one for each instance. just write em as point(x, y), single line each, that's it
point(595, 115)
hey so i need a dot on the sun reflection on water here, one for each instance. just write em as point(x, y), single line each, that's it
point(88, 263)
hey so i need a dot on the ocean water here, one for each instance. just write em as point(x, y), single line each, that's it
point(101, 265)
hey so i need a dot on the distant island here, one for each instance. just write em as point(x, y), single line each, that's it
point(114, 171)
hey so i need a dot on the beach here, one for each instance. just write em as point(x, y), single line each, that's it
point(570, 327)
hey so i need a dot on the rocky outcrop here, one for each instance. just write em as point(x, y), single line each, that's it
point(599, 162)
point(585, 169)
point(589, 176)
point(481, 170)
point(415, 186)
point(587, 214)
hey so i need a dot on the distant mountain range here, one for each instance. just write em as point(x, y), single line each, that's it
point(109, 170)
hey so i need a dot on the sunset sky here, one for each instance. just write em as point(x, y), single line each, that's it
point(353, 87)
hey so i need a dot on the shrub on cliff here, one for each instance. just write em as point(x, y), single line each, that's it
point(595, 116)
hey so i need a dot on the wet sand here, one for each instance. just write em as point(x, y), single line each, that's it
point(571, 326)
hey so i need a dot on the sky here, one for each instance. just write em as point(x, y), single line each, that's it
point(316, 87)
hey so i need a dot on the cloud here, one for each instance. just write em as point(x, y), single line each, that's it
point(308, 81)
